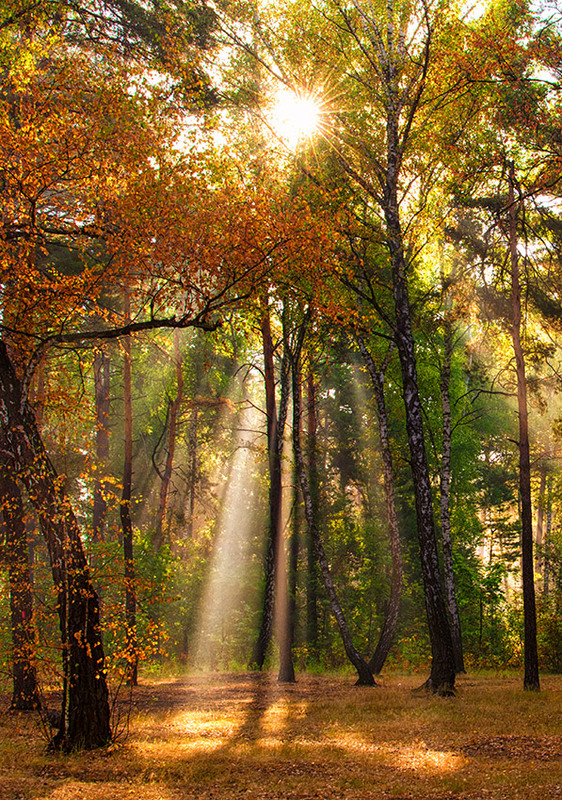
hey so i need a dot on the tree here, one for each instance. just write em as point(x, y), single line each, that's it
point(25, 692)
point(531, 678)
point(386, 638)
point(85, 710)
point(275, 439)
point(365, 676)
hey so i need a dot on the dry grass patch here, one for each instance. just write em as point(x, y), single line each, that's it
point(245, 736)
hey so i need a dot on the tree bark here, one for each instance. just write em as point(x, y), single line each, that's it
point(445, 505)
point(442, 677)
point(275, 433)
point(531, 677)
point(287, 669)
point(540, 537)
point(192, 473)
point(365, 676)
point(311, 566)
point(25, 690)
point(287, 626)
point(173, 415)
point(547, 535)
point(85, 718)
point(126, 521)
point(401, 96)
point(389, 626)
point(103, 407)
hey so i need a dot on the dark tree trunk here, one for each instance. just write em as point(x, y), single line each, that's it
point(287, 627)
point(311, 565)
point(173, 415)
point(85, 718)
point(126, 521)
point(275, 432)
point(25, 691)
point(442, 677)
point(448, 572)
point(192, 474)
point(540, 537)
point(102, 399)
point(365, 676)
point(389, 627)
point(531, 678)
point(547, 535)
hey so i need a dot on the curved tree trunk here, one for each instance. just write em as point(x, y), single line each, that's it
point(25, 690)
point(85, 718)
point(365, 675)
point(389, 627)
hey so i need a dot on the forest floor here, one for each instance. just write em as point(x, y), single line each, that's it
point(218, 737)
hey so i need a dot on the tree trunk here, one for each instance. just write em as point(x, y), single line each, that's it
point(173, 415)
point(547, 535)
point(389, 627)
point(540, 537)
point(126, 521)
point(287, 626)
point(275, 432)
point(25, 691)
point(192, 468)
point(311, 566)
point(448, 572)
point(442, 677)
point(102, 400)
point(85, 718)
point(531, 678)
point(365, 675)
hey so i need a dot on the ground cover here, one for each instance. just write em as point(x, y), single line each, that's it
point(245, 736)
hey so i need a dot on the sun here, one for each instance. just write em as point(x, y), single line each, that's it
point(294, 117)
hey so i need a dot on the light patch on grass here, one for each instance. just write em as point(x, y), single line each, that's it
point(421, 758)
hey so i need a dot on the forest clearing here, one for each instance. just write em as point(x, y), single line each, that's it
point(281, 384)
point(247, 736)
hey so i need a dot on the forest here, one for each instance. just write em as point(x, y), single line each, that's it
point(280, 355)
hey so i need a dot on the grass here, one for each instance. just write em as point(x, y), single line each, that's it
point(245, 736)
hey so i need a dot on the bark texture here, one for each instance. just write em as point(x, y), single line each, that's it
point(442, 677)
point(25, 690)
point(445, 505)
point(311, 567)
point(126, 520)
point(85, 718)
